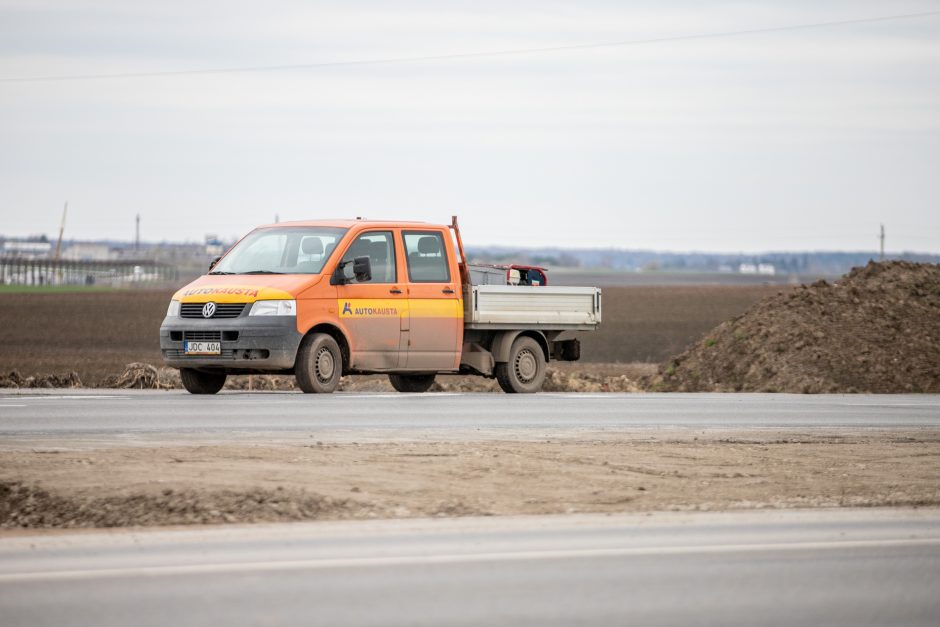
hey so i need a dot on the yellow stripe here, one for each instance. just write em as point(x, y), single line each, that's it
point(435, 307)
point(230, 294)
point(392, 307)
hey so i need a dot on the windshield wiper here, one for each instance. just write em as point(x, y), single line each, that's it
point(220, 272)
point(261, 272)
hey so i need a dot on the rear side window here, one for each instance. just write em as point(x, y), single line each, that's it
point(427, 261)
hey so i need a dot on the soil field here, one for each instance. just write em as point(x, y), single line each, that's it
point(97, 334)
point(652, 324)
point(77, 486)
point(94, 334)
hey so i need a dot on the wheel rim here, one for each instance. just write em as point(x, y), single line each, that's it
point(526, 366)
point(324, 364)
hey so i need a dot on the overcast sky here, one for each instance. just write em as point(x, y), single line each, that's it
point(795, 140)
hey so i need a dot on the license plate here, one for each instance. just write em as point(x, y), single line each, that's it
point(202, 348)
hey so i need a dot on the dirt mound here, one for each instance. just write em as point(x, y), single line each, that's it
point(32, 507)
point(16, 380)
point(876, 330)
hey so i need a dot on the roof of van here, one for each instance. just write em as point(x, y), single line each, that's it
point(346, 224)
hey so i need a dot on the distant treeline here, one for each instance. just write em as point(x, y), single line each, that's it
point(813, 263)
point(191, 258)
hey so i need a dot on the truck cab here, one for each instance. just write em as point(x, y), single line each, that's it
point(320, 299)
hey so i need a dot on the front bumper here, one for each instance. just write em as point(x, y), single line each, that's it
point(249, 343)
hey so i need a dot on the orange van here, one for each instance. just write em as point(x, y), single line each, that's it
point(320, 299)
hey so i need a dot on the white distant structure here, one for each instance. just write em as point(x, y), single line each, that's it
point(27, 250)
point(86, 251)
point(766, 269)
point(214, 246)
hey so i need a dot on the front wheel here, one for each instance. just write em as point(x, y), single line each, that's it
point(524, 373)
point(319, 364)
point(199, 382)
point(411, 382)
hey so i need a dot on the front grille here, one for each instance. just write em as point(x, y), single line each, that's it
point(203, 336)
point(222, 310)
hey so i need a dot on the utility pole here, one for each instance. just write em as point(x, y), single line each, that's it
point(137, 236)
point(58, 245)
point(882, 238)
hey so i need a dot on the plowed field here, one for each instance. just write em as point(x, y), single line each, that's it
point(97, 334)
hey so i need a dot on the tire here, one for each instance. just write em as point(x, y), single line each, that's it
point(319, 364)
point(199, 382)
point(411, 382)
point(524, 373)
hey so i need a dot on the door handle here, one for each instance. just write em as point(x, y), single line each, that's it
point(447, 290)
point(394, 290)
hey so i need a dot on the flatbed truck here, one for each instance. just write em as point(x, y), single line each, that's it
point(326, 298)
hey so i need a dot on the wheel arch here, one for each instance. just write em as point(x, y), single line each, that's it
point(337, 334)
point(502, 343)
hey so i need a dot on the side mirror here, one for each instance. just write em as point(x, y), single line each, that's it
point(362, 269)
point(213, 262)
point(338, 278)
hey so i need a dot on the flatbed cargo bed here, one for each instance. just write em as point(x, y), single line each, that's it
point(527, 307)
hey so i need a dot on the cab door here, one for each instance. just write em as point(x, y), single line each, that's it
point(435, 303)
point(372, 310)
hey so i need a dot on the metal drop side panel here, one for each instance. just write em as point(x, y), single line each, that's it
point(508, 306)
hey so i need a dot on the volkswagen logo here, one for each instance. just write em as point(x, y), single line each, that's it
point(208, 310)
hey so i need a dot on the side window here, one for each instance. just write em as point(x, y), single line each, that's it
point(427, 261)
point(379, 247)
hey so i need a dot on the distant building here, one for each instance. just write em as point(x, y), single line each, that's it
point(214, 246)
point(27, 249)
point(766, 269)
point(87, 251)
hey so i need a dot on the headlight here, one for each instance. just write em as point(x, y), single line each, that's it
point(173, 311)
point(274, 308)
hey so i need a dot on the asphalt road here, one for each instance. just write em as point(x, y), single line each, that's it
point(381, 416)
point(847, 567)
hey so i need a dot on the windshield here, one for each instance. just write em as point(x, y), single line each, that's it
point(281, 250)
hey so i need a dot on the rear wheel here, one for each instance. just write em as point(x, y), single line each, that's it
point(319, 364)
point(199, 382)
point(524, 373)
point(411, 382)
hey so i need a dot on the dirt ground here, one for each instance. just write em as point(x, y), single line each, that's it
point(93, 486)
point(652, 324)
point(560, 377)
point(878, 330)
